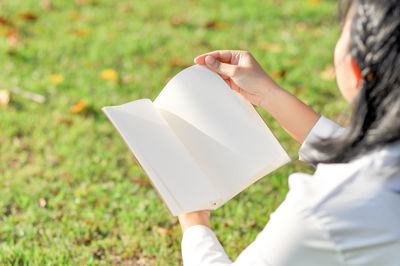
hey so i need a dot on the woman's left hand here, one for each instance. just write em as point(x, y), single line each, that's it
point(194, 218)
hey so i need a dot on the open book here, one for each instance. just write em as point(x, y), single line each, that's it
point(199, 142)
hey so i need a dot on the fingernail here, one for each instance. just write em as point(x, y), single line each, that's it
point(210, 60)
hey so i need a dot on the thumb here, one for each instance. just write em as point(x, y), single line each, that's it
point(221, 68)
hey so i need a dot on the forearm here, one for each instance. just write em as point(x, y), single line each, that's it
point(292, 114)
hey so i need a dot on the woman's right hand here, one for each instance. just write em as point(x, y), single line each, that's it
point(242, 73)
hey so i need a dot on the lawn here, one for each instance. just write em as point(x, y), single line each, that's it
point(71, 192)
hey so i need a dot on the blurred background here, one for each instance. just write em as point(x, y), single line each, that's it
point(71, 192)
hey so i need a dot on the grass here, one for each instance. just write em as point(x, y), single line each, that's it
point(71, 193)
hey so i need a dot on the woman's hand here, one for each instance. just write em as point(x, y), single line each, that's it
point(242, 73)
point(194, 218)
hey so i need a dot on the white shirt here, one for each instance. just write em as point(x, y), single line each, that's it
point(344, 214)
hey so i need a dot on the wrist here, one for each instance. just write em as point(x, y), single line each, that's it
point(187, 220)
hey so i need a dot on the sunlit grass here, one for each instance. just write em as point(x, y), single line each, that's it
point(70, 190)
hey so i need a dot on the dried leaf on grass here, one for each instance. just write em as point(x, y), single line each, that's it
point(109, 74)
point(4, 21)
point(177, 62)
point(162, 230)
point(315, 3)
point(253, 223)
point(28, 16)
point(46, 4)
point(176, 21)
point(215, 25)
point(66, 121)
point(329, 73)
point(84, 108)
point(278, 74)
point(84, 32)
point(13, 36)
point(42, 202)
point(81, 107)
point(56, 78)
point(127, 79)
point(4, 98)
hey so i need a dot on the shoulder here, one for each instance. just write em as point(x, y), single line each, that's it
point(355, 204)
point(369, 177)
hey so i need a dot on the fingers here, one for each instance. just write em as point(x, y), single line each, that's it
point(224, 56)
point(223, 69)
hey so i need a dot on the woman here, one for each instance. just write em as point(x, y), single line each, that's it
point(347, 213)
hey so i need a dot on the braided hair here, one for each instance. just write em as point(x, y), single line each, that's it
point(375, 46)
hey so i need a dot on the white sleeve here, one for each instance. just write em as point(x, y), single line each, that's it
point(293, 236)
point(324, 128)
point(200, 246)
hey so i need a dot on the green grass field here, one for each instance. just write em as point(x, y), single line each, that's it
point(71, 192)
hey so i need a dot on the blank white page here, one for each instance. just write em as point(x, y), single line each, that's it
point(178, 179)
point(225, 135)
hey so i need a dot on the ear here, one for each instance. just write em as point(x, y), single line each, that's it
point(356, 71)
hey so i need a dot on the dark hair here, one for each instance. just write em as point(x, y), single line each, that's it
point(375, 46)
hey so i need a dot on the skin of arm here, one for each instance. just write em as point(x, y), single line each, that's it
point(292, 114)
